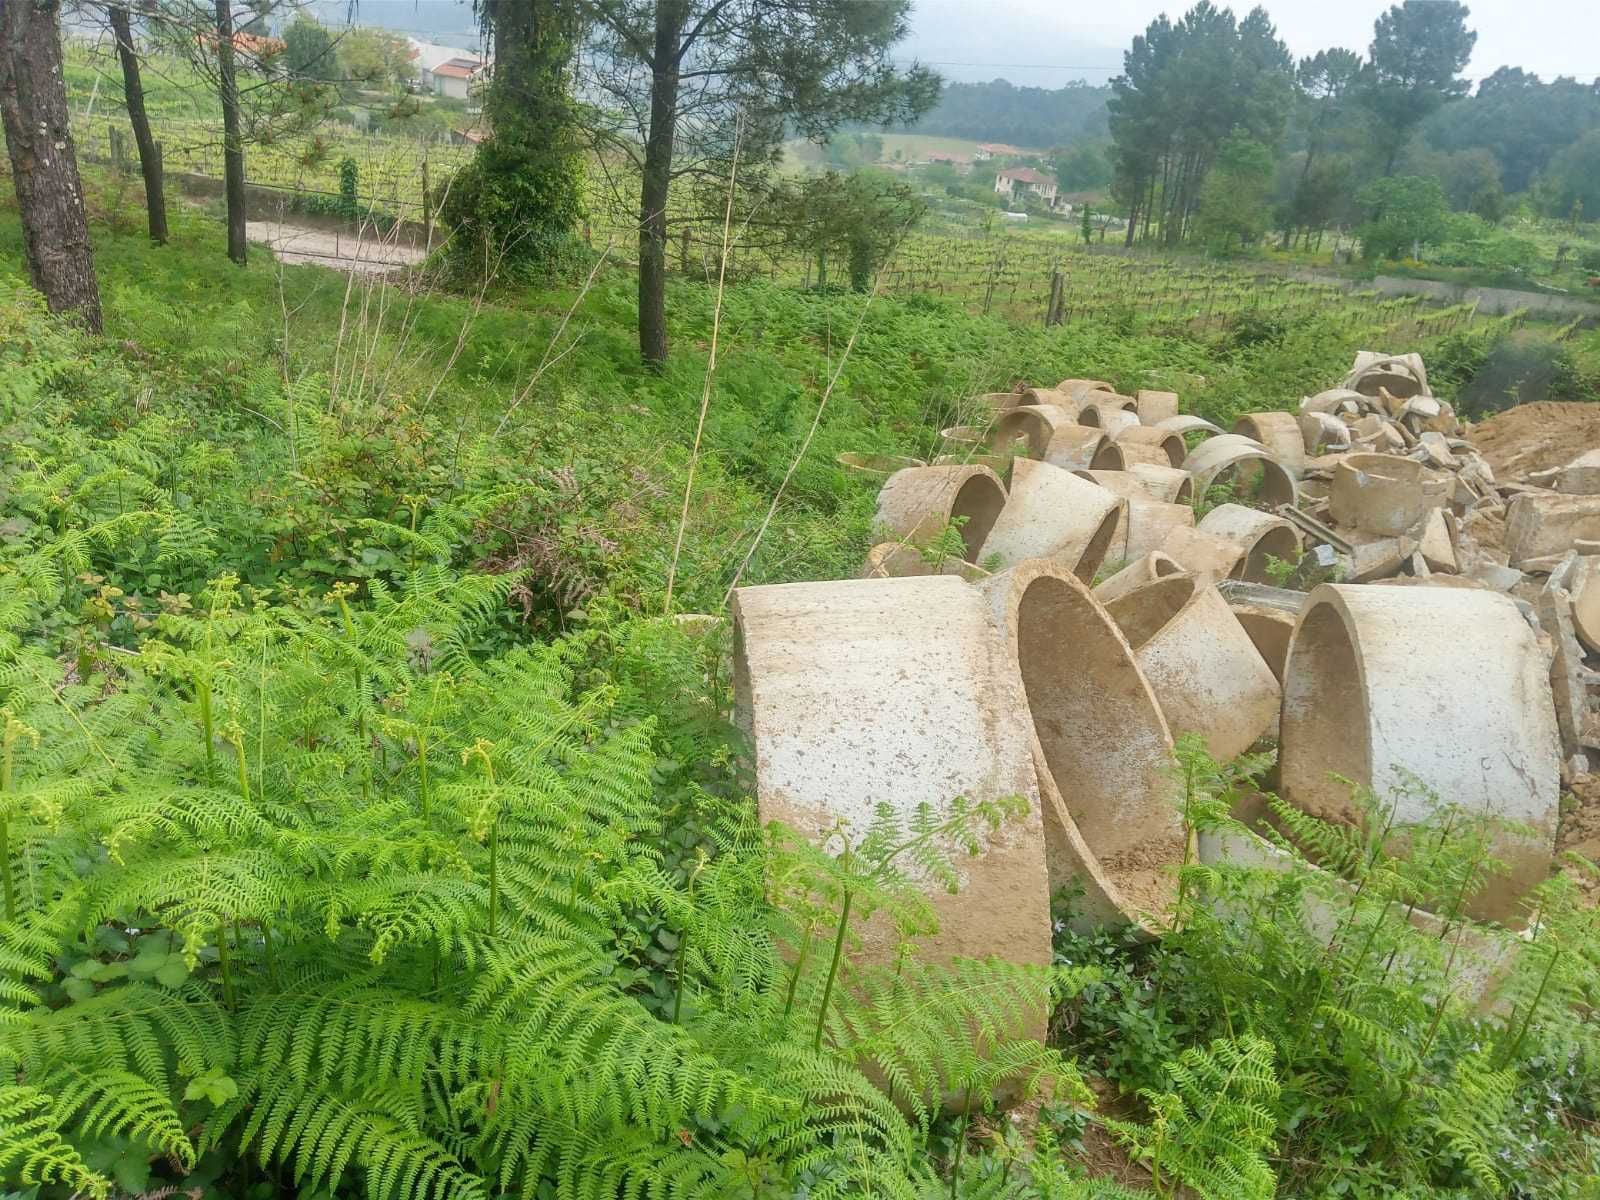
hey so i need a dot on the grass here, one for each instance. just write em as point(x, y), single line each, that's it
point(320, 439)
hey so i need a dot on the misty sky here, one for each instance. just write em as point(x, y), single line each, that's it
point(1047, 42)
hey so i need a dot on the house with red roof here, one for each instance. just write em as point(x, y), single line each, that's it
point(1016, 183)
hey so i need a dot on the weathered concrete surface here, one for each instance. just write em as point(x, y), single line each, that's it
point(1103, 413)
point(1231, 460)
point(1384, 494)
point(1072, 446)
point(1207, 555)
point(1542, 524)
point(1265, 536)
point(917, 503)
point(1167, 441)
point(1586, 602)
point(1205, 671)
point(896, 560)
point(1145, 481)
point(848, 705)
point(1186, 423)
point(1137, 573)
point(1401, 375)
point(1581, 476)
point(1117, 455)
point(1102, 748)
point(1321, 432)
point(1026, 428)
point(1051, 513)
point(1279, 432)
point(1269, 630)
point(1153, 405)
point(1448, 688)
point(1148, 525)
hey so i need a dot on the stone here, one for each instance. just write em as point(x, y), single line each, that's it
point(1540, 525)
point(1581, 476)
point(1435, 544)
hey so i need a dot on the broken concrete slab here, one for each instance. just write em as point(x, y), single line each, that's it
point(1385, 688)
point(1382, 558)
point(1581, 476)
point(1434, 542)
point(1384, 494)
point(1203, 667)
point(1539, 525)
point(1586, 602)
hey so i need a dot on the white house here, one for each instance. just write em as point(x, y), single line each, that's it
point(1014, 183)
point(446, 70)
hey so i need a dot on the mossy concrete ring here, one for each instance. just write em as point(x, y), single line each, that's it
point(1245, 466)
point(1265, 536)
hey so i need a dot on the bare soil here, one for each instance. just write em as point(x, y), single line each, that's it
point(372, 255)
point(1536, 437)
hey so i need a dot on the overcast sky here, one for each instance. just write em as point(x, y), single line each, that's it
point(1048, 42)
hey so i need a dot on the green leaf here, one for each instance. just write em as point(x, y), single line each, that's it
point(172, 973)
point(78, 989)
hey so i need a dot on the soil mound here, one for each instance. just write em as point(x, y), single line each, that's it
point(1537, 436)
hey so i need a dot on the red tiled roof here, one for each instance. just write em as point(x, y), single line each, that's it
point(457, 68)
point(1027, 175)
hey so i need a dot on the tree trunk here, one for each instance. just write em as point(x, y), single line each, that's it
point(1133, 214)
point(232, 139)
point(657, 182)
point(44, 165)
point(155, 201)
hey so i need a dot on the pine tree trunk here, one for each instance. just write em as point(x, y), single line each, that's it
point(44, 165)
point(155, 200)
point(232, 139)
point(657, 182)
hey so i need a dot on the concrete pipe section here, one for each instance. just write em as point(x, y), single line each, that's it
point(916, 504)
point(896, 560)
point(1401, 689)
point(1102, 748)
point(1151, 525)
point(1116, 455)
point(1245, 466)
point(1073, 446)
point(1155, 405)
point(1270, 630)
point(1383, 493)
point(997, 463)
point(1145, 481)
point(1279, 432)
point(1207, 555)
point(865, 692)
point(1079, 388)
point(1186, 423)
point(1027, 428)
point(876, 466)
point(1167, 441)
point(1051, 513)
point(1264, 536)
point(1201, 664)
point(1140, 571)
point(1105, 413)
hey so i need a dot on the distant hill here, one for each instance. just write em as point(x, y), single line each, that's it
point(999, 111)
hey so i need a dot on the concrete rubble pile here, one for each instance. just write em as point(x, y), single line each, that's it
point(1045, 611)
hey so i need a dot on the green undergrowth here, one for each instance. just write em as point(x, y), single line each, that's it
point(366, 831)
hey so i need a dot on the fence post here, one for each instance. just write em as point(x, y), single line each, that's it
point(427, 208)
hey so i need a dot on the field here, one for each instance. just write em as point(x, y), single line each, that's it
point(369, 828)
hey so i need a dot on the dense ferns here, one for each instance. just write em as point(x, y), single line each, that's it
point(321, 886)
